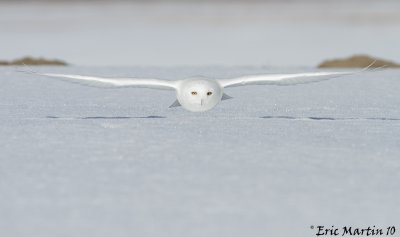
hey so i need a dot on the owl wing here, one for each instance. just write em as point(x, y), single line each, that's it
point(112, 82)
point(284, 79)
point(280, 79)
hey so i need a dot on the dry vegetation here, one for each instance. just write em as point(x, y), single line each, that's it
point(33, 62)
point(358, 61)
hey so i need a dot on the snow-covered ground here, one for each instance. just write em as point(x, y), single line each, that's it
point(83, 161)
point(277, 33)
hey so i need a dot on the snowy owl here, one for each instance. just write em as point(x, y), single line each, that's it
point(199, 94)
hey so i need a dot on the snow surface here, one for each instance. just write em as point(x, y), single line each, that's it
point(83, 161)
point(278, 33)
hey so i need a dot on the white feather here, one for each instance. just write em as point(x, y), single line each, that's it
point(113, 82)
point(281, 79)
point(285, 79)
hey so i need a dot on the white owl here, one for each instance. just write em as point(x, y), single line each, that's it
point(199, 94)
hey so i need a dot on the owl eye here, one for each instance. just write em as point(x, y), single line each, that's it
point(209, 93)
point(194, 92)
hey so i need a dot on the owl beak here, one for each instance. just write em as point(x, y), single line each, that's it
point(200, 102)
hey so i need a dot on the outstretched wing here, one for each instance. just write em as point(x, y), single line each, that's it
point(281, 79)
point(112, 82)
point(286, 79)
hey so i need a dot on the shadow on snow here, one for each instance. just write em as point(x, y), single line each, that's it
point(111, 117)
point(327, 118)
point(263, 117)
